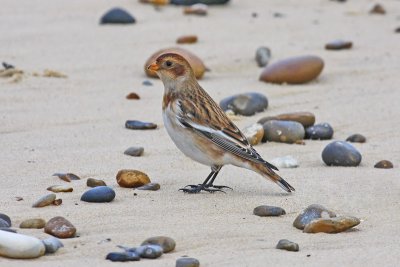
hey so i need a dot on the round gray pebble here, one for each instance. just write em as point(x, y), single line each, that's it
point(117, 16)
point(245, 104)
point(5, 218)
point(287, 245)
point(321, 131)
point(263, 55)
point(356, 138)
point(187, 262)
point(99, 194)
point(264, 211)
point(149, 251)
point(134, 151)
point(339, 153)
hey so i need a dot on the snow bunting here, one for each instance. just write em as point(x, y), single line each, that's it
point(201, 129)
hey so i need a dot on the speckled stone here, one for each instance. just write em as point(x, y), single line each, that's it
point(311, 213)
point(321, 131)
point(339, 153)
point(246, 104)
point(60, 227)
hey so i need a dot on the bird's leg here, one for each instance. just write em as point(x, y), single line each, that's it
point(201, 187)
point(211, 183)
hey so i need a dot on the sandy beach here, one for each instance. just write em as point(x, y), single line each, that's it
point(76, 124)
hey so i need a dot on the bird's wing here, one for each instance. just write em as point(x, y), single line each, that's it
point(207, 119)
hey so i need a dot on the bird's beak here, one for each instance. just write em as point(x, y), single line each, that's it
point(153, 67)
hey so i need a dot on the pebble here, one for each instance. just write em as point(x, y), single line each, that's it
point(133, 96)
point(44, 201)
point(397, 30)
point(167, 243)
point(149, 187)
point(338, 45)
point(339, 153)
point(123, 256)
point(283, 131)
point(384, 164)
point(187, 39)
point(99, 194)
point(147, 83)
point(139, 125)
point(57, 202)
point(246, 104)
point(331, 225)
point(192, 2)
point(68, 177)
point(263, 56)
point(196, 9)
point(132, 178)
point(91, 182)
point(356, 138)
point(321, 131)
point(287, 245)
point(7, 66)
point(33, 223)
point(52, 244)
point(4, 224)
point(305, 118)
point(296, 70)
point(18, 246)
point(117, 16)
point(149, 251)
point(6, 218)
point(187, 262)
point(195, 62)
point(60, 227)
point(155, 2)
point(254, 133)
point(285, 162)
point(378, 9)
point(264, 211)
point(311, 213)
point(60, 188)
point(7, 229)
point(134, 151)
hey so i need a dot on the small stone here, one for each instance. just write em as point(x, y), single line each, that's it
point(266, 211)
point(331, 225)
point(196, 9)
point(246, 104)
point(68, 177)
point(338, 45)
point(155, 2)
point(149, 251)
point(123, 256)
point(287, 245)
point(53, 74)
point(254, 133)
point(378, 9)
point(167, 243)
point(33, 224)
point(149, 187)
point(147, 83)
point(283, 131)
point(139, 125)
point(60, 188)
point(295, 70)
point(8, 229)
point(60, 227)
point(4, 224)
point(133, 96)
point(321, 131)
point(132, 178)
point(187, 262)
point(384, 164)
point(99, 194)
point(91, 182)
point(305, 118)
point(339, 153)
point(44, 201)
point(134, 151)
point(19, 198)
point(356, 138)
point(57, 202)
point(397, 30)
point(117, 16)
point(187, 39)
point(7, 66)
point(263, 56)
point(195, 62)
point(285, 162)
point(311, 213)
point(17, 246)
point(192, 2)
point(52, 244)
point(6, 218)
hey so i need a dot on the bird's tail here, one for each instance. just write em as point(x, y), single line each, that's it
point(270, 174)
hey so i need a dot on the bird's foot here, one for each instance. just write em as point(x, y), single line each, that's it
point(219, 186)
point(194, 189)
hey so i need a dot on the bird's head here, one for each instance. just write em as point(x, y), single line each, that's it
point(171, 67)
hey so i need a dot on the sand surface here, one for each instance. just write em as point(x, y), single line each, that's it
point(76, 125)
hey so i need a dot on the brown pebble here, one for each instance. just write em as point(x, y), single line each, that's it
point(331, 225)
point(296, 70)
point(195, 62)
point(378, 9)
point(91, 182)
point(132, 178)
point(338, 45)
point(356, 138)
point(196, 9)
point(68, 177)
point(132, 96)
point(60, 189)
point(156, 2)
point(305, 118)
point(33, 224)
point(60, 227)
point(187, 39)
point(167, 243)
point(149, 187)
point(57, 202)
point(384, 164)
point(254, 133)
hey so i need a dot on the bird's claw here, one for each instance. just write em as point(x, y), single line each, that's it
point(194, 189)
point(219, 187)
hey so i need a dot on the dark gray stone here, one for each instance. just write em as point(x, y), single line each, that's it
point(287, 245)
point(263, 55)
point(192, 2)
point(123, 256)
point(283, 131)
point(320, 131)
point(339, 153)
point(149, 187)
point(356, 138)
point(52, 244)
point(117, 16)
point(140, 125)
point(264, 211)
point(187, 262)
point(99, 194)
point(149, 251)
point(5, 218)
point(245, 104)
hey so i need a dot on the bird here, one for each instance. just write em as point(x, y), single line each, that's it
point(201, 129)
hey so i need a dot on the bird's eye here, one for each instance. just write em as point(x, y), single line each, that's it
point(168, 63)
